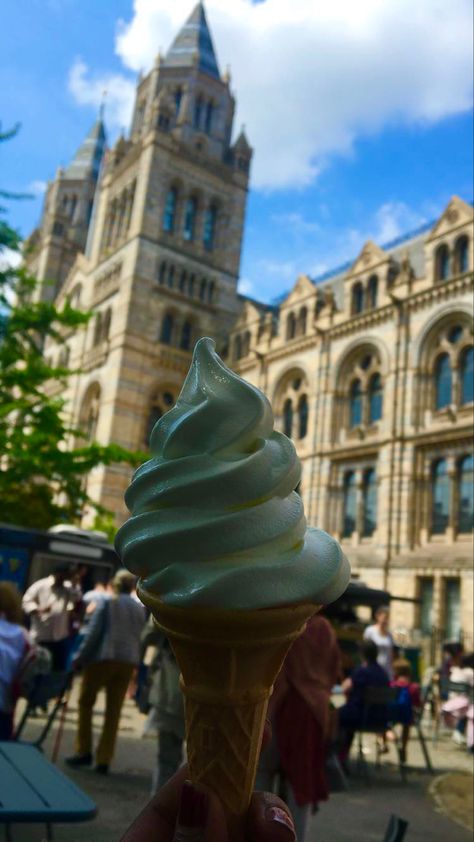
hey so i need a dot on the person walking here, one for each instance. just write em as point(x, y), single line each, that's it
point(49, 603)
point(14, 646)
point(301, 721)
point(108, 655)
point(379, 633)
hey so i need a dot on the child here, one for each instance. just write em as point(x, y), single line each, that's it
point(408, 702)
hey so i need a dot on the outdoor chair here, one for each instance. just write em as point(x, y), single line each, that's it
point(396, 830)
point(379, 701)
point(53, 685)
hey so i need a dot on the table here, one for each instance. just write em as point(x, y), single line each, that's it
point(33, 790)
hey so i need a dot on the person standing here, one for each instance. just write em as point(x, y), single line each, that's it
point(301, 721)
point(108, 655)
point(379, 633)
point(49, 603)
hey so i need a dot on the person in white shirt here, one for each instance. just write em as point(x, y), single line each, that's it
point(49, 603)
point(379, 634)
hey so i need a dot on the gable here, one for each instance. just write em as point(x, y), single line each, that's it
point(457, 213)
point(302, 288)
point(370, 256)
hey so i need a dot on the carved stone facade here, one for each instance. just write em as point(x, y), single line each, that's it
point(368, 369)
point(371, 372)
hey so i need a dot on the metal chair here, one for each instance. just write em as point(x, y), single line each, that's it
point(396, 830)
point(53, 685)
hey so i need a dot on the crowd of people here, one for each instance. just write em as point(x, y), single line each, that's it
point(104, 635)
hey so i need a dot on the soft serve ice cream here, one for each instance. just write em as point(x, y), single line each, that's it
point(215, 520)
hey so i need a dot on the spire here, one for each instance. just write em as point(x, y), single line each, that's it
point(88, 157)
point(193, 45)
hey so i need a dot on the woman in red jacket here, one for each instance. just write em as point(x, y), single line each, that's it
point(300, 714)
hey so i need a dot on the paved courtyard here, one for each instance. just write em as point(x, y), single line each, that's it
point(359, 815)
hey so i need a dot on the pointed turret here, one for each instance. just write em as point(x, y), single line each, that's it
point(193, 45)
point(88, 158)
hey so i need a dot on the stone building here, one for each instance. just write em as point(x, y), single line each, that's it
point(369, 369)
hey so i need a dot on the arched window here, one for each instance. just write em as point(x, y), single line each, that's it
point(186, 330)
point(357, 298)
point(154, 415)
point(369, 498)
point(302, 417)
point(466, 494)
point(162, 275)
point(198, 113)
point(209, 231)
point(349, 512)
point(288, 418)
point(210, 292)
point(171, 277)
point(182, 281)
point(209, 115)
point(467, 376)
point(461, 254)
point(440, 505)
point(237, 348)
point(443, 382)
point(169, 216)
point(375, 398)
point(372, 290)
point(246, 344)
point(202, 289)
point(442, 263)
point(190, 214)
point(355, 404)
point(167, 329)
point(290, 326)
point(302, 319)
point(191, 285)
point(178, 95)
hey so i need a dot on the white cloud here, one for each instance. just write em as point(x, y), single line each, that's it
point(89, 89)
point(246, 287)
point(37, 187)
point(296, 223)
point(312, 77)
point(394, 219)
point(9, 259)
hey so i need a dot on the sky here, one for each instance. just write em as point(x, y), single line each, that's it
point(360, 114)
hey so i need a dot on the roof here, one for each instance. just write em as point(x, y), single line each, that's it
point(88, 157)
point(411, 243)
point(194, 40)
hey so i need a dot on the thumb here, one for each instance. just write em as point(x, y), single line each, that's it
point(200, 817)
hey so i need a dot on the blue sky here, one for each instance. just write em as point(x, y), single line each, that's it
point(360, 128)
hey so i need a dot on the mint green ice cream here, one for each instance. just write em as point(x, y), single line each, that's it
point(215, 520)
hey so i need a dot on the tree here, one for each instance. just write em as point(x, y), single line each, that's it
point(42, 466)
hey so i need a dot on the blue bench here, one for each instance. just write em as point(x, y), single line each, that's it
point(33, 790)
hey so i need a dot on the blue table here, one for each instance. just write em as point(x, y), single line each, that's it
point(33, 790)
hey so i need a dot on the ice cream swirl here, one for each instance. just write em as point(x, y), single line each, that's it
point(215, 520)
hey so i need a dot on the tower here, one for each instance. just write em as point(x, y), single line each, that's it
point(163, 252)
point(66, 215)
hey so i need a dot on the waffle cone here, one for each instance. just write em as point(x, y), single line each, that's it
point(228, 661)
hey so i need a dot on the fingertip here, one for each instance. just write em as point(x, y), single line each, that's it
point(269, 819)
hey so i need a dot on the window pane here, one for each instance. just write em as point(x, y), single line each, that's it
point(357, 298)
point(442, 263)
point(372, 290)
point(440, 513)
point(370, 503)
point(467, 376)
point(186, 336)
point(426, 605)
point(466, 494)
point(170, 211)
point(303, 417)
point(443, 382)
point(210, 221)
point(288, 418)
point(356, 404)
point(462, 254)
point(167, 329)
point(452, 609)
point(375, 398)
point(350, 505)
point(190, 219)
